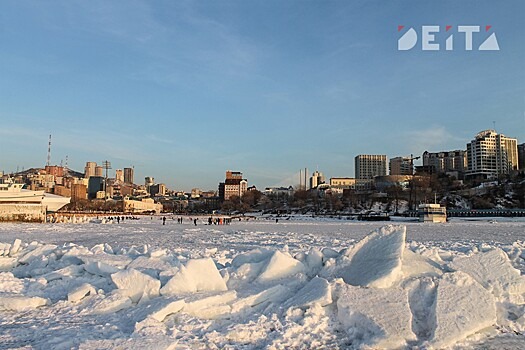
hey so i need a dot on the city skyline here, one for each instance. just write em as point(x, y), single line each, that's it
point(185, 91)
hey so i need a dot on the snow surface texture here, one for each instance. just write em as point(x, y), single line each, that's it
point(306, 284)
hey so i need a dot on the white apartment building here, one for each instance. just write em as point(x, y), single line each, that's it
point(491, 154)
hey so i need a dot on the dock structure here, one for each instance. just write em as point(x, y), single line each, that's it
point(22, 212)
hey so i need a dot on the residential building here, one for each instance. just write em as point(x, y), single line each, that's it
point(342, 182)
point(279, 191)
point(157, 190)
point(369, 165)
point(89, 170)
point(78, 191)
point(446, 161)
point(491, 154)
point(144, 205)
point(233, 185)
point(96, 184)
point(128, 175)
point(99, 171)
point(316, 179)
point(401, 166)
point(149, 181)
point(521, 156)
point(119, 175)
point(54, 170)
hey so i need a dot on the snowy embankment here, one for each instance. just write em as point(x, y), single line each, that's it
point(380, 292)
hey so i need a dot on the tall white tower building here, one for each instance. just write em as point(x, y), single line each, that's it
point(491, 154)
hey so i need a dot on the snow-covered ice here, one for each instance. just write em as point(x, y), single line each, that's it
point(300, 283)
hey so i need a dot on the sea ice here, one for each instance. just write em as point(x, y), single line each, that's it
point(493, 271)
point(462, 307)
point(199, 275)
point(378, 318)
point(136, 284)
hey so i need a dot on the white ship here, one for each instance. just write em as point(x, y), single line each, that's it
point(15, 193)
point(52, 202)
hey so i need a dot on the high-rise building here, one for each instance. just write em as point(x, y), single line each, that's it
point(89, 170)
point(99, 171)
point(316, 179)
point(96, 184)
point(446, 161)
point(401, 166)
point(491, 154)
point(119, 175)
point(128, 175)
point(521, 156)
point(369, 165)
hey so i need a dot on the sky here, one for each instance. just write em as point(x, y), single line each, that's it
point(185, 90)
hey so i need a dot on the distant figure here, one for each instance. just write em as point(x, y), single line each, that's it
point(276, 220)
point(195, 222)
point(118, 219)
point(164, 220)
point(209, 220)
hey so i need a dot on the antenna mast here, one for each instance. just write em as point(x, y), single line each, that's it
point(49, 152)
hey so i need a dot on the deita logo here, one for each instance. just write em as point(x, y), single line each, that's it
point(429, 42)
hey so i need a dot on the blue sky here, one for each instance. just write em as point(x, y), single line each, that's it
point(185, 90)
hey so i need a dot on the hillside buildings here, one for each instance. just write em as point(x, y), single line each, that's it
point(491, 154)
point(446, 162)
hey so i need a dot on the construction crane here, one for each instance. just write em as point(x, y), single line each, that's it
point(411, 159)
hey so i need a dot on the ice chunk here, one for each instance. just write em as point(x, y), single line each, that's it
point(379, 318)
point(415, 265)
point(100, 269)
point(20, 302)
point(136, 284)
point(81, 292)
point(493, 271)
point(7, 264)
point(211, 307)
point(15, 247)
point(158, 309)
point(274, 294)
point(314, 261)
point(36, 253)
point(111, 303)
point(199, 275)
point(280, 266)
point(317, 291)
point(253, 256)
point(462, 307)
